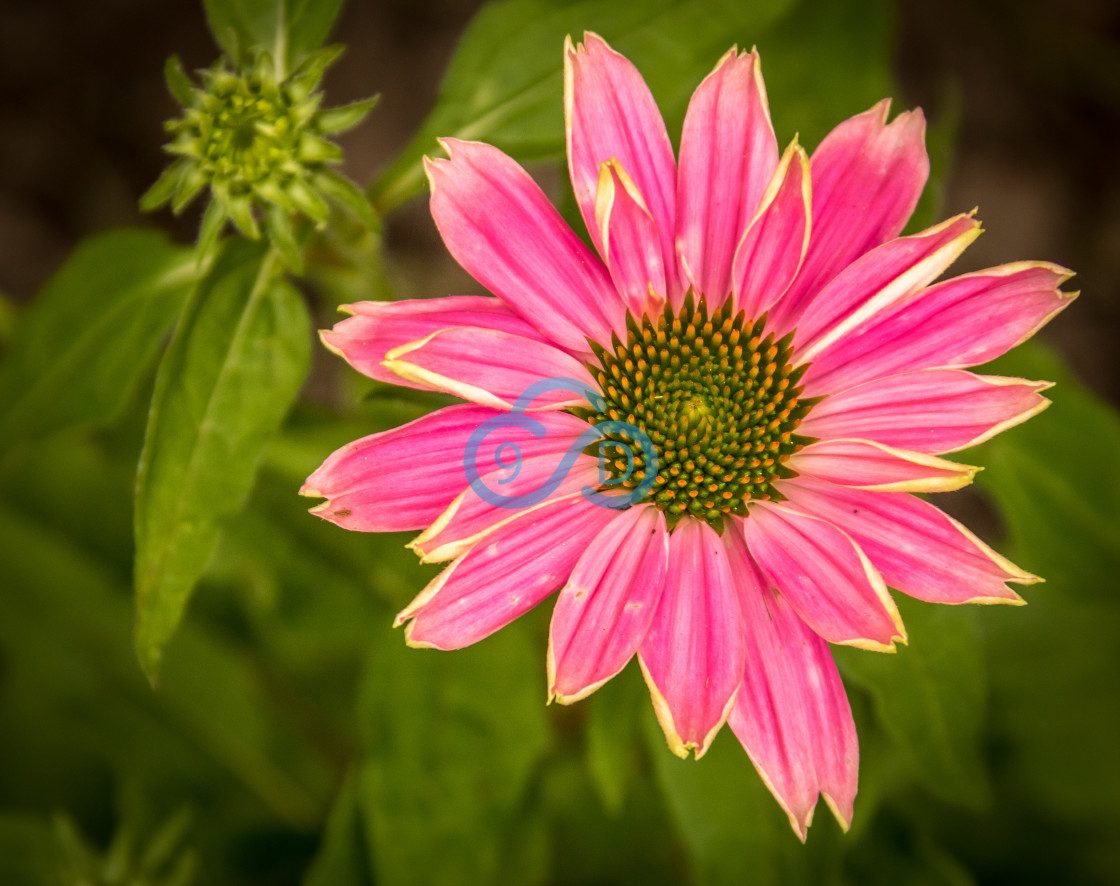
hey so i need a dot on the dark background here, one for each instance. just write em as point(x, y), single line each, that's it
point(1031, 90)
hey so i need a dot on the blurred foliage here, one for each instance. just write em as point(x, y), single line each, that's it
point(294, 738)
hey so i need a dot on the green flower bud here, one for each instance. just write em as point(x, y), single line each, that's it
point(261, 147)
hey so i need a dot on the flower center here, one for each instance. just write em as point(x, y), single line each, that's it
point(718, 398)
point(246, 129)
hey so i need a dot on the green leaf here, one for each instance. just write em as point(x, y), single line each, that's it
point(1056, 480)
point(74, 694)
point(734, 831)
point(213, 220)
point(613, 732)
point(825, 62)
point(505, 82)
point(288, 29)
point(343, 859)
point(165, 186)
point(283, 237)
point(345, 192)
point(232, 370)
point(345, 117)
point(178, 83)
point(930, 697)
point(28, 852)
point(451, 739)
point(82, 347)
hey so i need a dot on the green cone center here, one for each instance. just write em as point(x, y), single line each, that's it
point(720, 401)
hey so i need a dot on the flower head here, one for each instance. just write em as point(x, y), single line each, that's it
point(757, 318)
point(258, 142)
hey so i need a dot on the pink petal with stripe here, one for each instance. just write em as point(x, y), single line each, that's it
point(693, 654)
point(728, 155)
point(506, 574)
point(962, 322)
point(609, 113)
point(791, 715)
point(774, 245)
point(400, 479)
point(867, 177)
point(918, 549)
point(826, 578)
point(501, 228)
point(487, 366)
point(469, 517)
point(603, 613)
point(931, 410)
point(377, 327)
point(629, 242)
point(879, 279)
point(864, 464)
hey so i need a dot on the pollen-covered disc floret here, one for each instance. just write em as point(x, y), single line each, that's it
point(718, 397)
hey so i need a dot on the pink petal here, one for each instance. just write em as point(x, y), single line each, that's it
point(377, 327)
point(964, 321)
point(692, 656)
point(504, 576)
point(918, 549)
point(773, 247)
point(825, 576)
point(867, 177)
point(604, 612)
point(487, 366)
point(882, 277)
point(932, 410)
point(628, 239)
point(500, 227)
point(867, 465)
point(400, 479)
point(728, 154)
point(469, 517)
point(610, 114)
point(792, 714)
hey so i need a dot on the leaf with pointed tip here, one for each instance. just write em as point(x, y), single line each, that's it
point(178, 83)
point(345, 117)
point(233, 368)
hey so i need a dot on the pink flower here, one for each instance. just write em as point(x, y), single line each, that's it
point(759, 317)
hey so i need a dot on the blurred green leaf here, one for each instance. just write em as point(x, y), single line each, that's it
point(28, 854)
point(1057, 663)
point(824, 62)
point(613, 732)
point(1057, 481)
point(79, 351)
point(930, 697)
point(343, 857)
point(505, 82)
point(902, 852)
point(451, 740)
point(734, 831)
point(232, 370)
point(288, 29)
point(72, 688)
